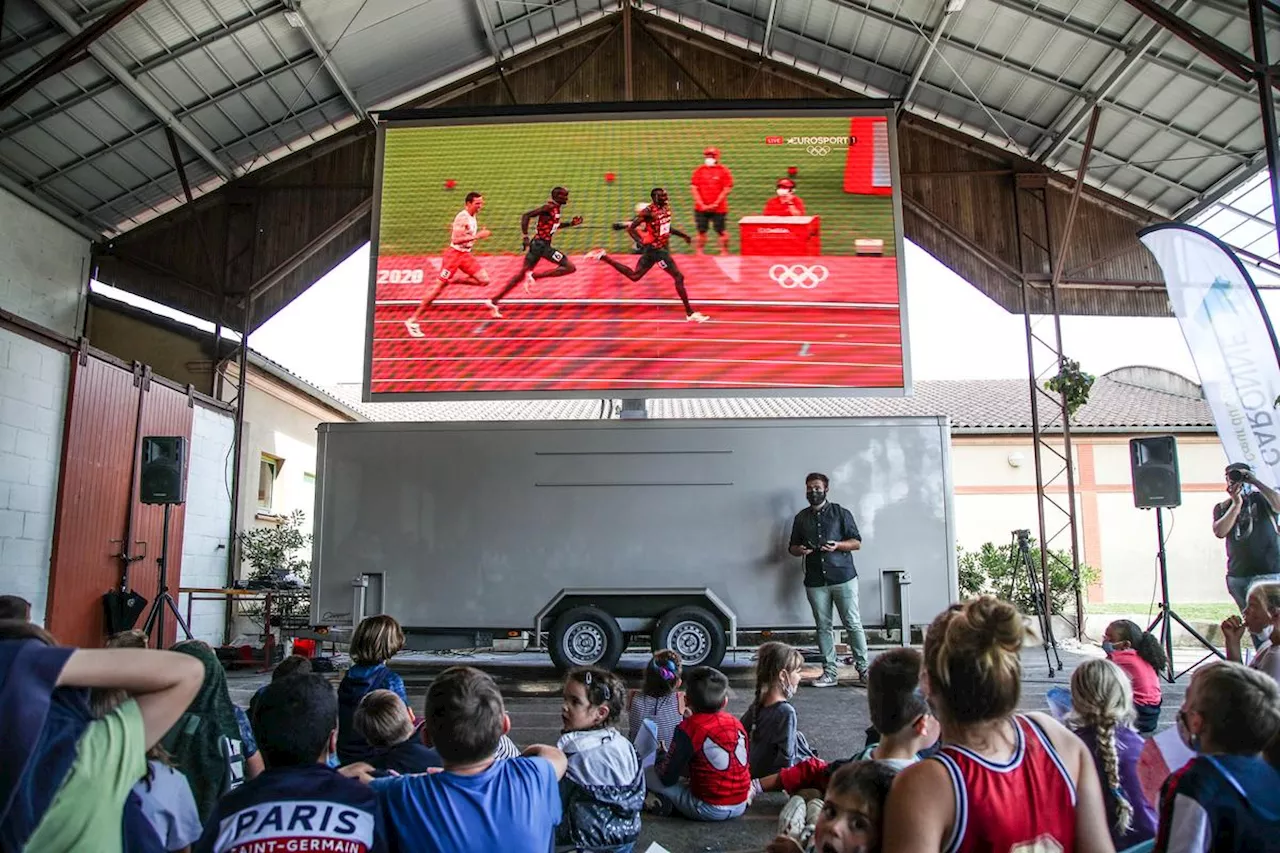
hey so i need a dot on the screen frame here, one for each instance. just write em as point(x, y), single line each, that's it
point(639, 111)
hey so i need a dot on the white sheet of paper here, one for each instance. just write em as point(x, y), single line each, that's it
point(1174, 751)
point(655, 847)
point(647, 744)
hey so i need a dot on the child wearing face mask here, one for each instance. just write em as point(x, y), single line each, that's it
point(1140, 656)
point(602, 793)
point(1227, 798)
point(775, 741)
point(852, 813)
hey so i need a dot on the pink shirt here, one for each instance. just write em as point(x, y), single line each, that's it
point(1146, 684)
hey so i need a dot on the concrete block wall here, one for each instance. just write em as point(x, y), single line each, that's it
point(204, 544)
point(33, 396)
point(44, 267)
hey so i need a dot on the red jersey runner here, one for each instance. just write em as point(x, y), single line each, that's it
point(657, 231)
point(548, 222)
point(1027, 805)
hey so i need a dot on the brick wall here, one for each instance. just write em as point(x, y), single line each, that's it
point(204, 544)
point(44, 267)
point(33, 394)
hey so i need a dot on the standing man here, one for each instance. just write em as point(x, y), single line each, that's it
point(1247, 521)
point(711, 185)
point(457, 259)
point(825, 535)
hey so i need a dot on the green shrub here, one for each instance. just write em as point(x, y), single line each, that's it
point(990, 570)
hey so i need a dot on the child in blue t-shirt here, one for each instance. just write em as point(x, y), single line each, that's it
point(477, 802)
point(375, 641)
point(299, 802)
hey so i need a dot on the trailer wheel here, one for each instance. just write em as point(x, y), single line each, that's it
point(694, 633)
point(585, 636)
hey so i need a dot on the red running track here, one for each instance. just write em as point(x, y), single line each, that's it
point(594, 330)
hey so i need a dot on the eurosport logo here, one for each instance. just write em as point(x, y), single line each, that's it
point(798, 275)
point(815, 146)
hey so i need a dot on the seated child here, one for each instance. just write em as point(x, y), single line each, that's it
point(290, 804)
point(775, 741)
point(291, 665)
point(395, 745)
point(1101, 710)
point(850, 817)
point(660, 701)
point(710, 748)
point(477, 802)
point(898, 709)
point(164, 793)
point(1227, 798)
point(375, 641)
point(1140, 656)
point(602, 793)
point(68, 775)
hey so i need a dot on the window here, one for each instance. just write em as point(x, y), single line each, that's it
point(268, 470)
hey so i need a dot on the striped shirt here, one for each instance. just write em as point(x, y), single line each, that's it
point(663, 710)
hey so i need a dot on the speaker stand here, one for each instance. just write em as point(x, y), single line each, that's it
point(155, 619)
point(1168, 615)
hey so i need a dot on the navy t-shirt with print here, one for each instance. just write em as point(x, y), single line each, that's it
point(295, 808)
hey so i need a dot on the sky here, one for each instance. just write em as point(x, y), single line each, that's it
point(954, 331)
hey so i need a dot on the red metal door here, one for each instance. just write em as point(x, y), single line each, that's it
point(96, 488)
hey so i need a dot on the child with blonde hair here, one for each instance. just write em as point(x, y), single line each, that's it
point(772, 732)
point(1102, 715)
point(375, 641)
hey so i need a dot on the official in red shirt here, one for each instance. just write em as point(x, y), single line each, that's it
point(786, 202)
point(711, 185)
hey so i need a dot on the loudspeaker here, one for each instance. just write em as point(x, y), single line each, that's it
point(1154, 465)
point(164, 470)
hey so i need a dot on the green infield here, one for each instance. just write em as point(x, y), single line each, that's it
point(427, 172)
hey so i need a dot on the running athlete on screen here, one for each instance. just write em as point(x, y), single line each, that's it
point(457, 259)
point(652, 229)
point(548, 223)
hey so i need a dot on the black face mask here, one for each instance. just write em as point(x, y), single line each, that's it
point(816, 497)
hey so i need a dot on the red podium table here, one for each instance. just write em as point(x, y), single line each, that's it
point(780, 235)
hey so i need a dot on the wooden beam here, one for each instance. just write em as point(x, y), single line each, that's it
point(628, 62)
point(671, 57)
point(590, 55)
point(298, 258)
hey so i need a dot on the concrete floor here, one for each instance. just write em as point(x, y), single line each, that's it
point(834, 720)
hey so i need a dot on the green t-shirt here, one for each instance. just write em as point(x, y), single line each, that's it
point(87, 811)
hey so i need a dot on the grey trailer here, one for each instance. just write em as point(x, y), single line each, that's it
point(581, 534)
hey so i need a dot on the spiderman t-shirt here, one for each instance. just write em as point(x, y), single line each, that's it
point(711, 749)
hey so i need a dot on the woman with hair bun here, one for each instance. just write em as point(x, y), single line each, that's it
point(1002, 782)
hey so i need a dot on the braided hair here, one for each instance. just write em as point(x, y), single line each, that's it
point(1102, 697)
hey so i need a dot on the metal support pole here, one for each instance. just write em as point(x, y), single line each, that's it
point(627, 76)
point(1267, 103)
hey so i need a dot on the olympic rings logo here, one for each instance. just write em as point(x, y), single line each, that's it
point(798, 275)
point(818, 151)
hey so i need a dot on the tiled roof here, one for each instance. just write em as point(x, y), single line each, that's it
point(1125, 399)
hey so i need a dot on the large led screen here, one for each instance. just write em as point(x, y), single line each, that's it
point(637, 254)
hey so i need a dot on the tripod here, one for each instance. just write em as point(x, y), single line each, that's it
point(1167, 614)
point(1020, 552)
point(155, 619)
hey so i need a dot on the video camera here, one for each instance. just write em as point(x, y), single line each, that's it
point(1022, 535)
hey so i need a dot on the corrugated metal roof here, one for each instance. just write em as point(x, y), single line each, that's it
point(1178, 134)
point(1130, 399)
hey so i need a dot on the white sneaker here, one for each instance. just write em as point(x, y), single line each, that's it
point(494, 311)
point(595, 254)
point(528, 282)
point(791, 818)
point(697, 317)
point(826, 680)
point(812, 810)
point(414, 330)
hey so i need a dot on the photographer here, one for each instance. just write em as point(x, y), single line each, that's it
point(825, 535)
point(1247, 521)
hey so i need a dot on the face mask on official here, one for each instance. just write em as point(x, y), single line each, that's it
point(783, 192)
point(710, 161)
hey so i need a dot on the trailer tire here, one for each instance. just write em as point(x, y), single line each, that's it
point(694, 632)
point(585, 636)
